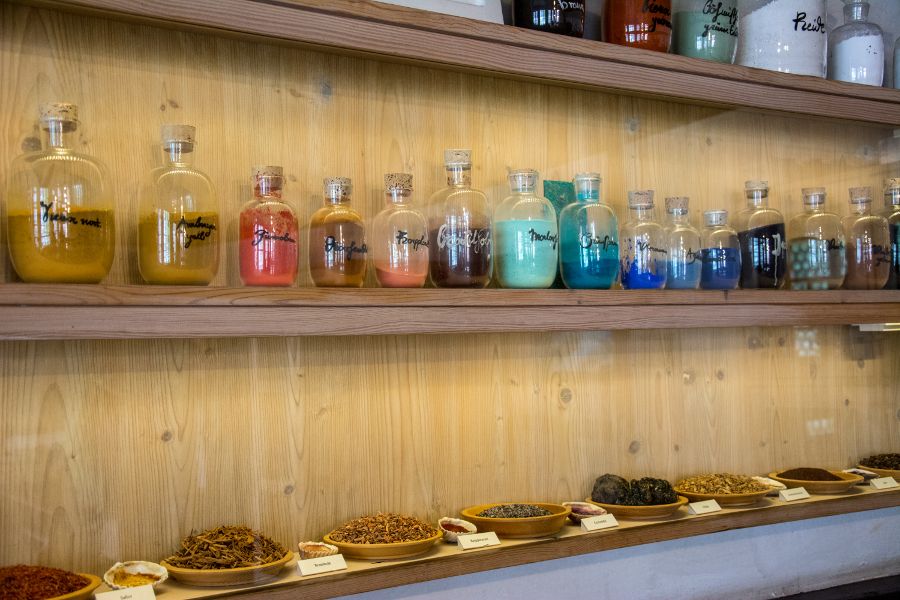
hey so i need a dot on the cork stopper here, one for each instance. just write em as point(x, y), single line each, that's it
point(456, 157)
point(171, 133)
point(892, 191)
point(756, 184)
point(58, 111)
point(677, 205)
point(860, 195)
point(337, 188)
point(892, 183)
point(522, 180)
point(813, 196)
point(715, 218)
point(261, 171)
point(398, 182)
point(640, 199)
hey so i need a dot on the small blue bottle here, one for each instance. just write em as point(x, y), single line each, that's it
point(643, 245)
point(683, 246)
point(588, 238)
point(721, 255)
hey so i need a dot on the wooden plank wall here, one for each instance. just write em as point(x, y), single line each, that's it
point(116, 449)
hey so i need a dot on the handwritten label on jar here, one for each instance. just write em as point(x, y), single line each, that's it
point(599, 522)
point(804, 23)
point(197, 230)
point(470, 541)
point(659, 15)
point(469, 238)
point(262, 234)
point(332, 245)
point(543, 237)
point(403, 239)
point(716, 9)
point(143, 592)
point(884, 483)
point(792, 494)
point(606, 242)
point(704, 507)
point(327, 564)
point(61, 217)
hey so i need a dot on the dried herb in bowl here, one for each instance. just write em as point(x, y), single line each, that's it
point(27, 582)
point(889, 462)
point(383, 528)
point(514, 511)
point(720, 483)
point(226, 547)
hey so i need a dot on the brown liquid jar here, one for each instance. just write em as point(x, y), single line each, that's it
point(338, 254)
point(643, 24)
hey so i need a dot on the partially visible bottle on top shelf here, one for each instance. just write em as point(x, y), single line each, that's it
point(856, 48)
point(762, 236)
point(643, 24)
point(892, 214)
point(682, 245)
point(338, 254)
point(783, 35)
point(721, 253)
point(643, 245)
point(704, 29)
point(553, 16)
point(588, 238)
point(816, 246)
point(400, 236)
point(868, 244)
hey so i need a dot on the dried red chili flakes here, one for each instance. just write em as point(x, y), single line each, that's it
point(27, 582)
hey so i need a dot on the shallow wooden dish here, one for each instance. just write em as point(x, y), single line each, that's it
point(728, 499)
point(883, 472)
point(226, 577)
point(526, 527)
point(85, 592)
point(653, 511)
point(848, 480)
point(384, 551)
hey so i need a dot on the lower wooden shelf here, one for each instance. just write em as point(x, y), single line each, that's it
point(38, 311)
point(447, 560)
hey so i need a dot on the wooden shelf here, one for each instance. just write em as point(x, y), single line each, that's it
point(396, 33)
point(448, 561)
point(34, 311)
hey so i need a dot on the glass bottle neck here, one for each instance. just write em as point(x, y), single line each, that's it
point(58, 134)
point(861, 208)
point(856, 12)
point(179, 154)
point(458, 176)
point(757, 198)
point(641, 213)
point(892, 199)
point(266, 188)
point(398, 197)
point(679, 218)
point(814, 208)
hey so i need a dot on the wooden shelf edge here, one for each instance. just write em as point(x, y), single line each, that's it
point(398, 33)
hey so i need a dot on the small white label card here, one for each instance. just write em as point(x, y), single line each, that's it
point(797, 493)
point(703, 508)
point(884, 483)
point(327, 564)
point(470, 541)
point(599, 522)
point(143, 592)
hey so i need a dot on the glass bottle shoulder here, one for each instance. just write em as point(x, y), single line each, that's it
point(59, 161)
point(854, 29)
point(591, 211)
point(892, 214)
point(857, 223)
point(459, 198)
point(525, 207)
point(720, 237)
point(341, 213)
point(753, 217)
point(823, 225)
point(268, 204)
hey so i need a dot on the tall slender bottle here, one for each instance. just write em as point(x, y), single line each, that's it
point(459, 225)
point(683, 246)
point(763, 244)
point(338, 253)
point(400, 237)
point(588, 238)
point(817, 256)
point(60, 217)
point(721, 253)
point(643, 245)
point(178, 226)
point(269, 232)
point(868, 244)
point(526, 235)
point(892, 214)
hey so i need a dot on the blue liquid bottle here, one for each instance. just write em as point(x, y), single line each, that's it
point(721, 253)
point(683, 247)
point(526, 235)
point(643, 245)
point(588, 238)
point(892, 214)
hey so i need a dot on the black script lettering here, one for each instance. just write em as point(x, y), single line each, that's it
point(643, 246)
point(404, 239)
point(262, 235)
point(800, 23)
point(587, 241)
point(332, 245)
point(543, 237)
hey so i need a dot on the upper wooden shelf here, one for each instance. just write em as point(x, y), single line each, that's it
point(31, 311)
point(403, 34)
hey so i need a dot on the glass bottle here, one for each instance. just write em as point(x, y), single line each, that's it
point(683, 247)
point(705, 29)
point(268, 232)
point(178, 225)
point(588, 238)
point(554, 16)
point(526, 235)
point(763, 245)
point(400, 237)
point(816, 245)
point(459, 225)
point(639, 23)
point(60, 217)
point(868, 244)
point(721, 254)
point(337, 239)
point(643, 245)
point(856, 48)
point(783, 35)
point(892, 214)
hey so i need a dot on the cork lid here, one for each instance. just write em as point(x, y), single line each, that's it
point(892, 183)
point(756, 184)
point(813, 195)
point(522, 180)
point(457, 157)
point(716, 217)
point(677, 205)
point(860, 195)
point(640, 199)
point(398, 181)
point(175, 132)
point(260, 171)
point(337, 187)
point(58, 111)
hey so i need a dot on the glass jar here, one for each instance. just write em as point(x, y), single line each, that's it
point(178, 226)
point(554, 16)
point(400, 237)
point(816, 246)
point(338, 253)
point(721, 253)
point(706, 29)
point(783, 35)
point(868, 244)
point(639, 23)
point(588, 238)
point(643, 245)
point(59, 214)
point(268, 232)
point(683, 247)
point(856, 48)
point(892, 214)
point(763, 245)
point(526, 236)
point(459, 226)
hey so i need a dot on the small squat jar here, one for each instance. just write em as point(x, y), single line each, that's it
point(268, 232)
point(783, 35)
point(400, 237)
point(705, 29)
point(338, 252)
point(892, 214)
point(856, 48)
point(643, 24)
point(868, 244)
point(721, 253)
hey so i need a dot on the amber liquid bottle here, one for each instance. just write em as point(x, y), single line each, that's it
point(338, 254)
point(639, 23)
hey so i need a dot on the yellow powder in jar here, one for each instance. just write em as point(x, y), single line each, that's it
point(126, 579)
point(178, 248)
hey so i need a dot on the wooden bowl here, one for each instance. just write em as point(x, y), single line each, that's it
point(85, 592)
point(848, 480)
point(883, 472)
point(728, 499)
point(652, 511)
point(228, 577)
point(526, 527)
point(384, 551)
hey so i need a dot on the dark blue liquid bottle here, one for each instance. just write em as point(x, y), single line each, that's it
point(762, 239)
point(721, 253)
